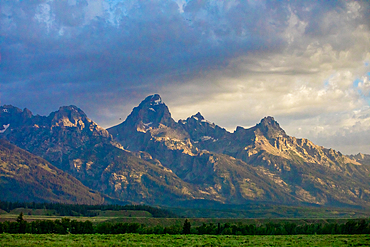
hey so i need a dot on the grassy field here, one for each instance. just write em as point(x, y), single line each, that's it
point(271, 211)
point(41, 214)
point(181, 240)
point(29, 218)
point(199, 221)
point(143, 217)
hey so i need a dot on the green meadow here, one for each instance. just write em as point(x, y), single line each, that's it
point(26, 240)
point(125, 227)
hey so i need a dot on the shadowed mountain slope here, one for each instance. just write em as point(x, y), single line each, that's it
point(151, 158)
point(151, 129)
point(77, 145)
point(291, 169)
point(26, 177)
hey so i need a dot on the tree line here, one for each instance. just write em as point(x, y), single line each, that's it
point(66, 226)
point(84, 210)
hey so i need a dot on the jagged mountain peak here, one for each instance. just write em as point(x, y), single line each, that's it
point(194, 119)
point(198, 116)
point(69, 108)
point(13, 116)
point(69, 116)
point(267, 127)
point(153, 100)
point(27, 113)
point(151, 118)
point(151, 112)
point(268, 120)
point(69, 111)
point(200, 129)
point(9, 109)
point(270, 128)
point(191, 159)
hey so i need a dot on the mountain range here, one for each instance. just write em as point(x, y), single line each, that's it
point(151, 158)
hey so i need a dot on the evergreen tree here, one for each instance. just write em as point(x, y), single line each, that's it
point(186, 227)
point(22, 224)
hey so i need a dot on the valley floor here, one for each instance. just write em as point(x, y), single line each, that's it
point(26, 240)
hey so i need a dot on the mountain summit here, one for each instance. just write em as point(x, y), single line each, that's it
point(150, 113)
point(229, 167)
point(151, 158)
point(68, 116)
point(151, 119)
point(11, 116)
point(72, 142)
point(201, 130)
point(270, 128)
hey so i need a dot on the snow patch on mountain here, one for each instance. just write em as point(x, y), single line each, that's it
point(5, 126)
point(206, 121)
point(207, 138)
point(148, 124)
point(157, 102)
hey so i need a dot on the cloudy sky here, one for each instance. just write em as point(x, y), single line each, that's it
point(306, 63)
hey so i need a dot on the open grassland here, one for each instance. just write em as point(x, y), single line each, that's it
point(144, 217)
point(123, 213)
point(41, 214)
point(181, 240)
point(271, 212)
point(30, 218)
point(165, 222)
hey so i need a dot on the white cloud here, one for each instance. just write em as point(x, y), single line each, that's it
point(364, 85)
point(94, 9)
point(309, 86)
point(44, 15)
point(303, 62)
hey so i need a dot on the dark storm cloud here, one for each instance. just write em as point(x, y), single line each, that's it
point(154, 37)
point(50, 44)
point(106, 54)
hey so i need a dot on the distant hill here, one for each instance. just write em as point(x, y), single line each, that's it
point(26, 177)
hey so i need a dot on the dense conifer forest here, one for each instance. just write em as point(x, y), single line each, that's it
point(66, 226)
point(84, 210)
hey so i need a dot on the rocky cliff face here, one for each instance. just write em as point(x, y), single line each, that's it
point(150, 158)
point(149, 122)
point(56, 137)
point(230, 166)
point(177, 147)
point(74, 143)
point(201, 130)
point(311, 173)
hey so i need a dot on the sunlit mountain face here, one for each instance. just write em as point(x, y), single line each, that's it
point(151, 158)
point(250, 164)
